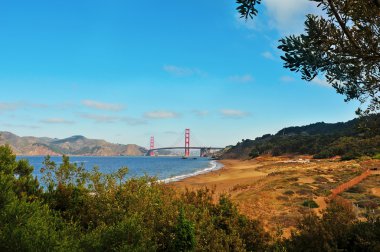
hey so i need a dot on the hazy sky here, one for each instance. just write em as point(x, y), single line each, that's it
point(125, 70)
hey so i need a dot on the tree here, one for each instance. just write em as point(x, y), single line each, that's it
point(26, 224)
point(184, 234)
point(342, 45)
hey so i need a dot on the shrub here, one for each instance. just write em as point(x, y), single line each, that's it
point(324, 154)
point(304, 192)
point(356, 189)
point(321, 179)
point(289, 192)
point(310, 204)
point(282, 198)
point(367, 204)
point(184, 234)
point(350, 155)
point(254, 153)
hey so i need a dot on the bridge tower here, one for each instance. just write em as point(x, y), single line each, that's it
point(151, 146)
point(187, 142)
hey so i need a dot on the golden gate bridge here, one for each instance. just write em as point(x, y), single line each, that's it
point(204, 151)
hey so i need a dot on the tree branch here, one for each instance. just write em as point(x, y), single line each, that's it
point(342, 24)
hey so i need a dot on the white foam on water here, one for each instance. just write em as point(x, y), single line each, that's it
point(212, 167)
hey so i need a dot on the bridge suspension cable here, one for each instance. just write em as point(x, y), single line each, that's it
point(196, 141)
point(179, 140)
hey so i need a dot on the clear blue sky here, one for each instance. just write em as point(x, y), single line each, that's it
point(126, 70)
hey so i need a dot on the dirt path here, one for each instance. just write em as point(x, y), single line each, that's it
point(322, 201)
point(353, 182)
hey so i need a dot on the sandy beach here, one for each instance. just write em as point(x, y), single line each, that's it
point(232, 173)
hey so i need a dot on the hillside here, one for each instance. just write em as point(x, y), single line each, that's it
point(352, 139)
point(75, 145)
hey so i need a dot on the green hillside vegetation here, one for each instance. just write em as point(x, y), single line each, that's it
point(90, 211)
point(350, 140)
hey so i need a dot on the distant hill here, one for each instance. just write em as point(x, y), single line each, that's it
point(352, 139)
point(75, 145)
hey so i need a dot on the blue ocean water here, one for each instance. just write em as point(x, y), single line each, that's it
point(166, 169)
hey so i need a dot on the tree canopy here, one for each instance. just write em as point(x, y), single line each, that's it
point(342, 44)
point(354, 139)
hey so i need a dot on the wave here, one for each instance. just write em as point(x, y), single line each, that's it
point(212, 167)
point(71, 162)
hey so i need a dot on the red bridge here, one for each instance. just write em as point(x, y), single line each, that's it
point(204, 151)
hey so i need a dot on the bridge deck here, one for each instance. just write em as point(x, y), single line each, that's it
point(191, 148)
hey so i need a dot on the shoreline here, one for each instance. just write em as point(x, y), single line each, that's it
point(215, 166)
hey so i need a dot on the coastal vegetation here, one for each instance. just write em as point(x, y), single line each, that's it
point(78, 210)
point(350, 140)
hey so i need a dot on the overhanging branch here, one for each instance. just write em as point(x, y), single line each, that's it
point(342, 24)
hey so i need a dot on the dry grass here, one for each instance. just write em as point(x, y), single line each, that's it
point(274, 189)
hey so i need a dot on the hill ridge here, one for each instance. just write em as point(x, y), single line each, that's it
point(73, 145)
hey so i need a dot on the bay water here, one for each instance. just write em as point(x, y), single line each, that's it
point(166, 169)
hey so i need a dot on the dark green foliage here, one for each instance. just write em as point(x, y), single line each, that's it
point(322, 128)
point(129, 234)
point(17, 176)
point(33, 227)
point(349, 140)
point(7, 160)
point(289, 192)
point(25, 223)
point(310, 204)
point(365, 236)
point(184, 234)
point(356, 189)
point(334, 43)
point(336, 230)
point(247, 8)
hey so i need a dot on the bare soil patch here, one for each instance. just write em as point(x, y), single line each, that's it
point(376, 191)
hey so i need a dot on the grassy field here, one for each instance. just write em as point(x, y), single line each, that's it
point(278, 190)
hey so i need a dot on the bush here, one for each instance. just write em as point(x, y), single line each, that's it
point(350, 155)
point(282, 198)
point(289, 192)
point(32, 226)
point(310, 204)
point(356, 189)
point(323, 154)
point(367, 204)
point(320, 179)
point(254, 153)
point(184, 234)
